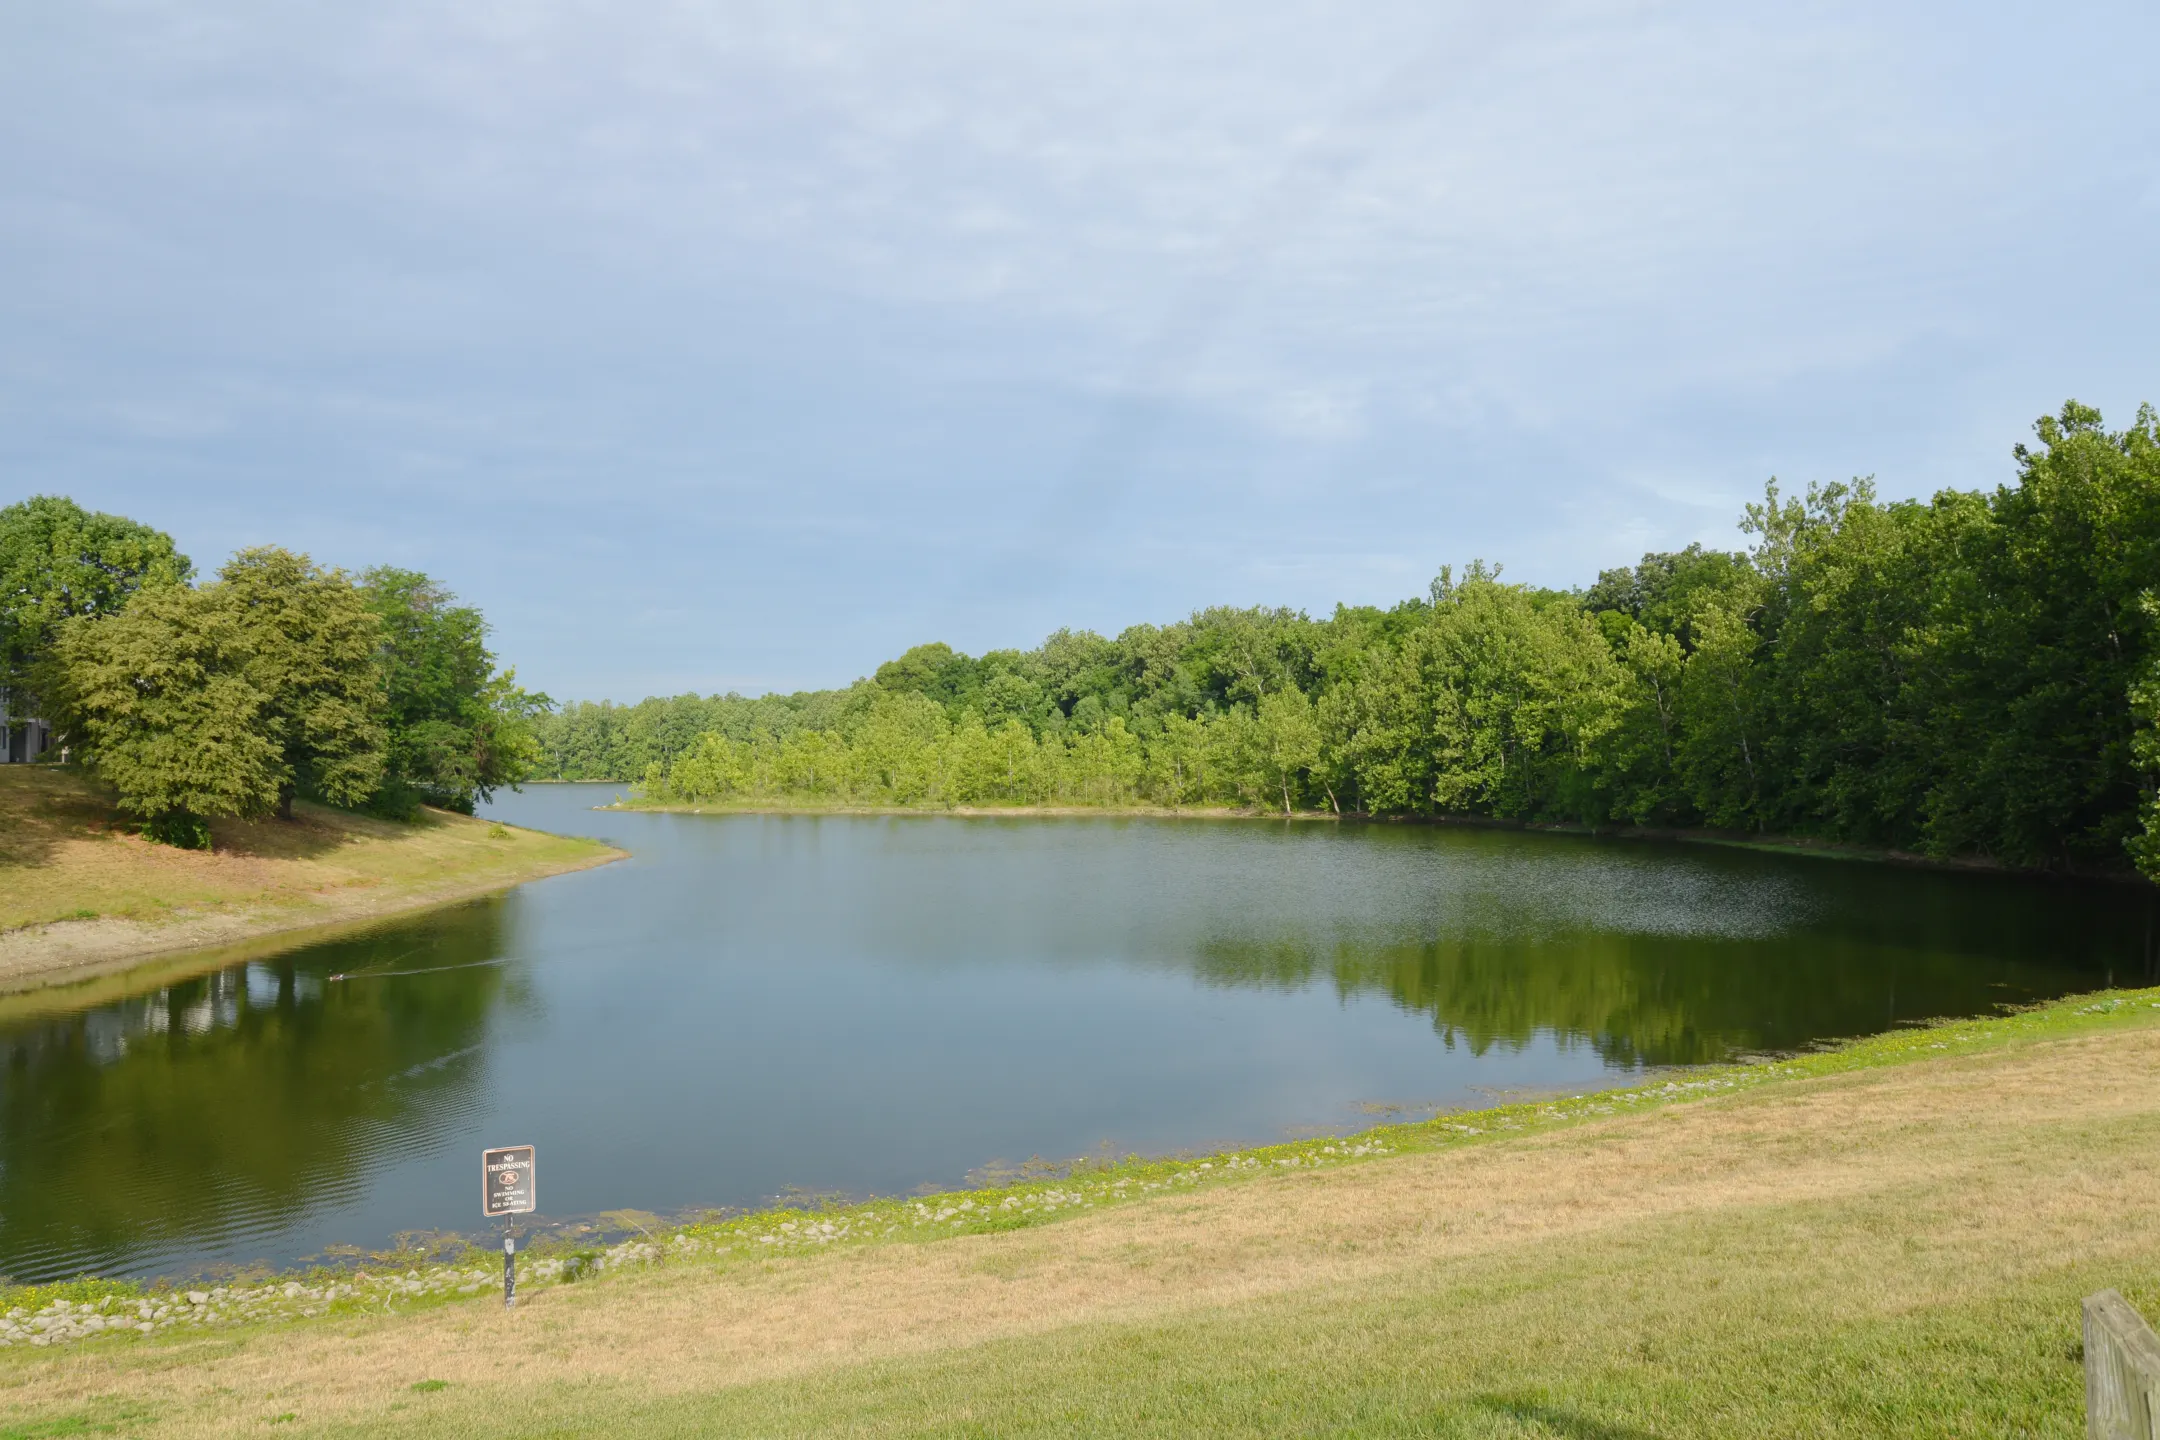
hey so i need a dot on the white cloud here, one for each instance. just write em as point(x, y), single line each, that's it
point(1544, 281)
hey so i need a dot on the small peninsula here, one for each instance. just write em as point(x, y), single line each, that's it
point(85, 895)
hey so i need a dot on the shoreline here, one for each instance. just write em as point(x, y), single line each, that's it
point(90, 899)
point(31, 983)
point(64, 953)
point(970, 812)
point(1736, 840)
point(1042, 1189)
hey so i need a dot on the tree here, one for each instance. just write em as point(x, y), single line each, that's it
point(312, 649)
point(1839, 758)
point(1335, 712)
point(228, 699)
point(458, 729)
point(1104, 763)
point(2036, 636)
point(1721, 752)
point(1289, 739)
point(1664, 591)
point(161, 702)
point(58, 562)
point(1516, 689)
point(894, 748)
point(935, 670)
point(718, 769)
point(2144, 845)
point(1388, 722)
point(1636, 763)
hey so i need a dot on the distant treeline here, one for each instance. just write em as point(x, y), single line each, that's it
point(1978, 674)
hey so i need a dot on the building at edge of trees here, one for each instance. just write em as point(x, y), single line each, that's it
point(23, 738)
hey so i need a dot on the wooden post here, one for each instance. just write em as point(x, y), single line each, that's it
point(2122, 1371)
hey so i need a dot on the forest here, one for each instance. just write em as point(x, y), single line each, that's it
point(1973, 675)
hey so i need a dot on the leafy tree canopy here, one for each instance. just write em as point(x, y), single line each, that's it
point(458, 729)
point(59, 561)
point(312, 646)
point(159, 701)
point(231, 698)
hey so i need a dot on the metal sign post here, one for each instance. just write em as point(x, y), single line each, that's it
point(507, 1188)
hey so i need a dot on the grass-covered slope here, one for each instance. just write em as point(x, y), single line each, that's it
point(80, 892)
point(1887, 1240)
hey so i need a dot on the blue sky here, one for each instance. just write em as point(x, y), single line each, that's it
point(743, 345)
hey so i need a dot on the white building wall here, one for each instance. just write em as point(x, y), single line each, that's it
point(22, 737)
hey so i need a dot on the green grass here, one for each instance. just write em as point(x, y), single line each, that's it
point(101, 1420)
point(1710, 1333)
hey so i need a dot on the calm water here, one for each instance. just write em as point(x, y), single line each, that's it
point(758, 1005)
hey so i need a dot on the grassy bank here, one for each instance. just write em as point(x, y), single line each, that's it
point(1886, 1239)
point(81, 894)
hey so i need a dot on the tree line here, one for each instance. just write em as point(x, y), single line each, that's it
point(1976, 674)
point(273, 680)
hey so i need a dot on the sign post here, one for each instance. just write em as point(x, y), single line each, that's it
point(507, 1188)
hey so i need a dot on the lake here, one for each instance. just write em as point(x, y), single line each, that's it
point(764, 1006)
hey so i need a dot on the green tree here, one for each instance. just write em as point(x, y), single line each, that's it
point(1104, 764)
point(895, 749)
point(228, 699)
point(59, 562)
point(2036, 635)
point(2144, 844)
point(935, 670)
point(1289, 740)
point(812, 763)
point(161, 700)
point(1636, 764)
point(1516, 690)
point(458, 729)
point(1387, 723)
point(1720, 751)
point(1663, 592)
point(1019, 773)
point(1177, 771)
point(313, 651)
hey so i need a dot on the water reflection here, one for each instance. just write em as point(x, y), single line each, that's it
point(1777, 960)
point(1640, 1001)
point(215, 1106)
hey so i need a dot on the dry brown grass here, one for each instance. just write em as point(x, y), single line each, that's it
point(80, 893)
point(1885, 1189)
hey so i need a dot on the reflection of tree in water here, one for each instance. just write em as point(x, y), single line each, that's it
point(223, 1104)
point(1682, 999)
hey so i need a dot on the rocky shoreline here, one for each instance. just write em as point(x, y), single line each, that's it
point(128, 1311)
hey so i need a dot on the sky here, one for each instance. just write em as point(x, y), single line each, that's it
point(740, 346)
